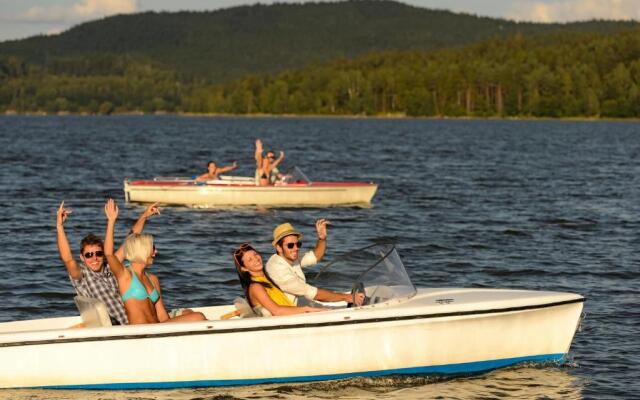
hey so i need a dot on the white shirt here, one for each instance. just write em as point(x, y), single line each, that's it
point(290, 278)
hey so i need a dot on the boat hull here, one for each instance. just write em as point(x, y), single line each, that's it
point(317, 194)
point(420, 336)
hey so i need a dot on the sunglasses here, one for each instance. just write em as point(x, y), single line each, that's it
point(90, 254)
point(239, 252)
point(243, 247)
point(292, 245)
point(271, 157)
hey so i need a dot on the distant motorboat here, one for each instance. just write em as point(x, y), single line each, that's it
point(294, 190)
point(399, 330)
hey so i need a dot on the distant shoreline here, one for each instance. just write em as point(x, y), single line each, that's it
point(324, 116)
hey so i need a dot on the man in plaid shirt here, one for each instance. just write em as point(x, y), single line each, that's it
point(91, 278)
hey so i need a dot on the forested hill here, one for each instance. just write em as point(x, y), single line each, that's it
point(233, 42)
point(556, 75)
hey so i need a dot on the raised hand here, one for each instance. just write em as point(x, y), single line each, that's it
point(358, 299)
point(321, 228)
point(111, 210)
point(259, 145)
point(62, 214)
point(151, 210)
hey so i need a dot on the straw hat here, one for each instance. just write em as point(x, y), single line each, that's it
point(283, 230)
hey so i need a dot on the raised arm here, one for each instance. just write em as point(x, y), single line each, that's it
point(260, 295)
point(111, 211)
point(138, 227)
point(258, 154)
point(228, 168)
point(318, 251)
point(63, 244)
point(321, 243)
point(278, 161)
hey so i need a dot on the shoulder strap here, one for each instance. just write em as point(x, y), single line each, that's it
point(150, 280)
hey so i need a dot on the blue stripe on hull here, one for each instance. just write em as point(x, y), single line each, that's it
point(448, 369)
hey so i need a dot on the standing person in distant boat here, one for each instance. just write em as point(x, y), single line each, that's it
point(266, 167)
point(140, 290)
point(274, 173)
point(90, 278)
point(213, 172)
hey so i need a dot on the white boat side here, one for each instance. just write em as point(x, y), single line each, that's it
point(437, 331)
point(243, 193)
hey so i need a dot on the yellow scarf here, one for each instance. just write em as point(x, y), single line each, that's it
point(274, 293)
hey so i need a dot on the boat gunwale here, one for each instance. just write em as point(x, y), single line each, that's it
point(345, 321)
point(140, 183)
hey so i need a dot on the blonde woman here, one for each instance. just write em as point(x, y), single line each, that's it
point(140, 291)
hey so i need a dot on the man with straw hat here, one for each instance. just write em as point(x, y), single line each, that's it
point(285, 270)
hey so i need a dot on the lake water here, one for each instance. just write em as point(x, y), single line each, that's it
point(513, 204)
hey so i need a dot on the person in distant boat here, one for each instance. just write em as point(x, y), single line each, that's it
point(266, 166)
point(263, 296)
point(274, 172)
point(285, 270)
point(90, 278)
point(140, 291)
point(213, 172)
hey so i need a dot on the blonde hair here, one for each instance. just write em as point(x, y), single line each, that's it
point(138, 247)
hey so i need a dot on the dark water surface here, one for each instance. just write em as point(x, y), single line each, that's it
point(510, 204)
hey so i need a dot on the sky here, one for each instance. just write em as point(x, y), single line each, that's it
point(24, 18)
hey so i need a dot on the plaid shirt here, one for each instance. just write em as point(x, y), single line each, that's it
point(101, 286)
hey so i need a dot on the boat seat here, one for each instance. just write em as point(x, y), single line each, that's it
point(93, 312)
point(243, 309)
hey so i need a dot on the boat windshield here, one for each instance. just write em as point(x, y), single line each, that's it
point(375, 270)
point(295, 176)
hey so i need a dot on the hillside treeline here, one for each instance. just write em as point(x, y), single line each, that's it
point(563, 75)
point(554, 76)
point(232, 43)
point(99, 84)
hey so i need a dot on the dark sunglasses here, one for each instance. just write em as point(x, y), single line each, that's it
point(271, 157)
point(292, 245)
point(90, 254)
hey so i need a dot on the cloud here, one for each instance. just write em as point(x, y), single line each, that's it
point(574, 10)
point(80, 11)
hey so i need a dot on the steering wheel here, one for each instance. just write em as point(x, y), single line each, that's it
point(358, 287)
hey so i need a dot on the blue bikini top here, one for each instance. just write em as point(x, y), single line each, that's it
point(137, 290)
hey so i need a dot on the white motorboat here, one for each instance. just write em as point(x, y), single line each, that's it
point(399, 330)
point(294, 190)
